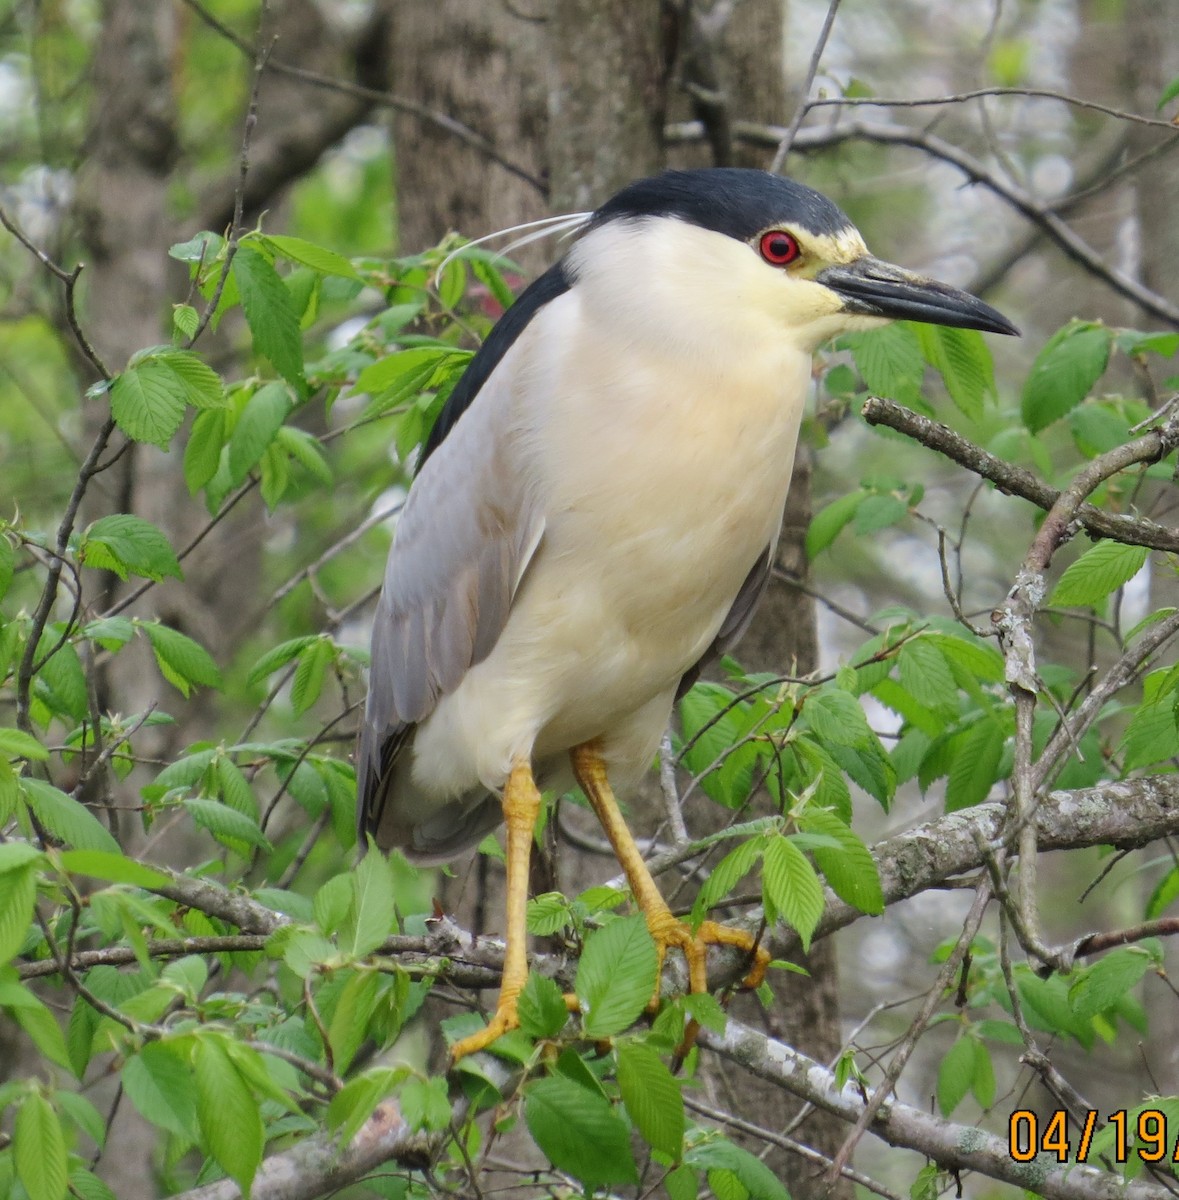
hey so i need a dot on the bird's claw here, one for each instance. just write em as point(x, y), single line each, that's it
point(668, 931)
point(506, 1019)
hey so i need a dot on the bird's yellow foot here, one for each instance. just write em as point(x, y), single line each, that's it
point(668, 930)
point(505, 1020)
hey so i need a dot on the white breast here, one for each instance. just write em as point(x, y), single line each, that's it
point(662, 478)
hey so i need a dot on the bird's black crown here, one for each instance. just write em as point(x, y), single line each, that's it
point(736, 201)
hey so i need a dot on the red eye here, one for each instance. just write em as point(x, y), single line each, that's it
point(778, 247)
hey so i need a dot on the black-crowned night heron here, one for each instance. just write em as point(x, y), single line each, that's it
point(595, 517)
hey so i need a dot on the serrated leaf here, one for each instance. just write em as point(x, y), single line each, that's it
point(225, 824)
point(185, 321)
point(890, 361)
point(235, 788)
point(354, 1009)
point(836, 717)
point(182, 661)
point(791, 888)
point(754, 1176)
point(1100, 986)
point(1151, 735)
point(65, 818)
point(1064, 372)
point(230, 1121)
point(200, 385)
point(7, 564)
point(877, 511)
point(1100, 571)
point(579, 1132)
point(256, 427)
point(202, 454)
point(18, 744)
point(851, 870)
point(974, 768)
point(303, 447)
point(37, 1021)
point(39, 1149)
point(982, 1084)
point(653, 1098)
point(727, 874)
point(318, 258)
point(829, 521)
point(133, 546)
point(270, 314)
point(353, 1104)
point(282, 654)
point(955, 1075)
point(309, 675)
point(962, 359)
point(373, 903)
point(148, 402)
point(926, 675)
point(542, 1008)
point(18, 893)
point(616, 976)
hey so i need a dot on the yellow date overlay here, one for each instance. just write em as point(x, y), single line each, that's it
point(1143, 1134)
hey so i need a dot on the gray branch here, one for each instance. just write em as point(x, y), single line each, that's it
point(954, 1147)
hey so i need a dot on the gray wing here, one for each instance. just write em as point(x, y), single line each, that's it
point(464, 538)
point(737, 620)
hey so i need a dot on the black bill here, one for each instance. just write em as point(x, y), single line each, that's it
point(874, 288)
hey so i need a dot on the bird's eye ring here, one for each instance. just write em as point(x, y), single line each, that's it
point(779, 248)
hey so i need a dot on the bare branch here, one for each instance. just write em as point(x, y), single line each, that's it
point(1015, 481)
point(954, 1147)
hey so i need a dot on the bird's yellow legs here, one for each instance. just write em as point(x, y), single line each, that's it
point(521, 808)
point(665, 927)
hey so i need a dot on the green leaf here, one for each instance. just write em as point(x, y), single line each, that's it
point(1151, 735)
point(755, 1177)
point(185, 321)
point(126, 545)
point(1100, 986)
point(231, 1124)
point(836, 716)
point(877, 511)
point(616, 976)
point(850, 870)
point(353, 1104)
point(231, 828)
point(727, 874)
point(791, 888)
point(36, 1020)
point(65, 818)
point(1169, 94)
point(18, 744)
point(1101, 570)
point(424, 1103)
point(955, 1074)
point(1072, 361)
point(653, 1098)
point(976, 756)
point(270, 314)
point(829, 522)
point(890, 361)
point(579, 1132)
point(962, 359)
point(18, 893)
point(202, 455)
point(7, 564)
point(200, 385)
point(326, 262)
point(983, 1082)
point(372, 903)
point(354, 1009)
point(148, 401)
point(282, 654)
point(183, 662)
point(88, 1186)
point(309, 675)
point(926, 675)
point(542, 1008)
point(39, 1149)
point(256, 427)
point(304, 448)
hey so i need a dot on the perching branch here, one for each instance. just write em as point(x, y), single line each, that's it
point(1013, 480)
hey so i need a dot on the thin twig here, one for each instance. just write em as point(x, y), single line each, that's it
point(787, 140)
